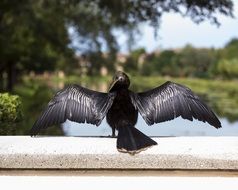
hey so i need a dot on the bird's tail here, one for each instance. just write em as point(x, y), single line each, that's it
point(131, 140)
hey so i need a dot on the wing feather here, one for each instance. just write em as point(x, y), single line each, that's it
point(169, 101)
point(77, 104)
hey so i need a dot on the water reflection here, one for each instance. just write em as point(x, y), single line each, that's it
point(177, 127)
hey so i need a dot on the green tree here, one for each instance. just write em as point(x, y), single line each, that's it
point(166, 63)
point(228, 68)
point(34, 35)
point(149, 66)
point(195, 62)
point(204, 60)
point(231, 49)
point(226, 64)
point(134, 61)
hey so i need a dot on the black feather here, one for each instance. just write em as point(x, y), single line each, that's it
point(171, 100)
point(77, 104)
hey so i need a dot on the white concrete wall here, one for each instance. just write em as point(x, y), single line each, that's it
point(94, 163)
point(183, 153)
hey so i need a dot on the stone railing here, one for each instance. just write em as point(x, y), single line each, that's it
point(92, 153)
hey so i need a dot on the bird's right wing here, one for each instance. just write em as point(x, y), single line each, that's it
point(171, 100)
point(75, 103)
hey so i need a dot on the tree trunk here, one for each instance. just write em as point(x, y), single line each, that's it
point(1, 82)
point(10, 76)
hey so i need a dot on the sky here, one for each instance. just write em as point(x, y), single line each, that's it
point(176, 31)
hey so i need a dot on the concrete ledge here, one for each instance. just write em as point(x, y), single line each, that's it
point(183, 153)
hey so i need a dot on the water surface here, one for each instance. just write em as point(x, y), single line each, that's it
point(176, 127)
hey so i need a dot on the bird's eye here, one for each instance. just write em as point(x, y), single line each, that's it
point(120, 78)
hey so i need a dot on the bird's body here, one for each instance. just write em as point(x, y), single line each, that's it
point(122, 112)
point(121, 107)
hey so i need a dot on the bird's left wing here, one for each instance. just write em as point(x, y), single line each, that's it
point(172, 100)
point(75, 103)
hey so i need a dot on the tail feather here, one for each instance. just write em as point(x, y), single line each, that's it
point(132, 141)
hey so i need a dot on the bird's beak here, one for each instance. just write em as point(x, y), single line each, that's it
point(112, 84)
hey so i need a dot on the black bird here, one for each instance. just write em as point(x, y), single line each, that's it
point(121, 106)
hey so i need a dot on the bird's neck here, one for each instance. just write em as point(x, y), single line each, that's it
point(120, 88)
point(122, 93)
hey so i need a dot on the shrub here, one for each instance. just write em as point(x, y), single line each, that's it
point(10, 109)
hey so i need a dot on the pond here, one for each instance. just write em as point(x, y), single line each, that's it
point(177, 127)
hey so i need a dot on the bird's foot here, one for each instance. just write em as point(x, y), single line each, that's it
point(112, 136)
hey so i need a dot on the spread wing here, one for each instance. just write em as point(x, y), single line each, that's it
point(75, 103)
point(170, 101)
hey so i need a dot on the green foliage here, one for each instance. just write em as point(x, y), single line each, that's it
point(166, 63)
point(133, 61)
point(10, 108)
point(188, 62)
point(195, 62)
point(228, 68)
point(231, 49)
point(185, 62)
point(33, 37)
point(227, 61)
point(35, 34)
point(10, 112)
point(35, 95)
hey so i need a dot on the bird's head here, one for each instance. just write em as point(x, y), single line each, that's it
point(120, 80)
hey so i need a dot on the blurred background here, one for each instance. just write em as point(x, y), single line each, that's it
point(46, 45)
